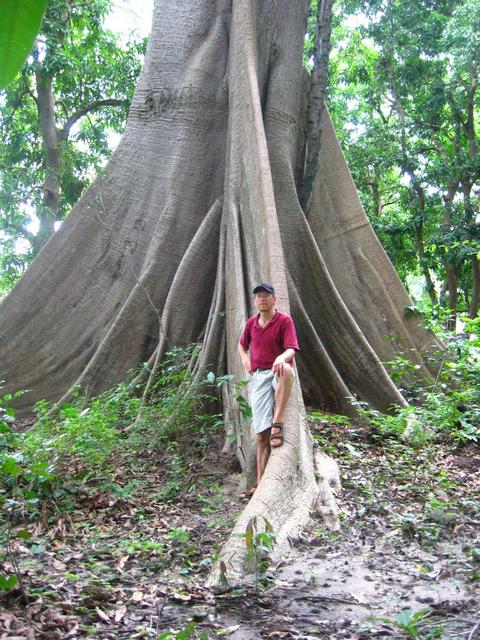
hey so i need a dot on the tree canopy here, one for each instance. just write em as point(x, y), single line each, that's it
point(404, 94)
point(55, 118)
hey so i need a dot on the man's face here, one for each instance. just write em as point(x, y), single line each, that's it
point(264, 301)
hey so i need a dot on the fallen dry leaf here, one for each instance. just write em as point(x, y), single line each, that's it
point(137, 596)
point(59, 566)
point(183, 597)
point(121, 563)
point(102, 615)
point(120, 612)
point(359, 597)
point(227, 630)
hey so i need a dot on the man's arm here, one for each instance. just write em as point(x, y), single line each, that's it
point(245, 359)
point(280, 360)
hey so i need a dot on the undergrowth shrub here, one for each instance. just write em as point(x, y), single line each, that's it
point(87, 429)
point(176, 408)
point(81, 439)
point(25, 480)
point(447, 410)
point(26, 475)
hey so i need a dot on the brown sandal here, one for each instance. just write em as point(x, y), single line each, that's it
point(249, 492)
point(277, 436)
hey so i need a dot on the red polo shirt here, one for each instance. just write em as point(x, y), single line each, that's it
point(265, 344)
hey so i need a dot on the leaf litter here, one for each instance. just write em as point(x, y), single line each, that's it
point(135, 566)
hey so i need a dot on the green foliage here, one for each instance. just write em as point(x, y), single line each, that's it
point(174, 411)
point(410, 623)
point(177, 534)
point(87, 429)
point(236, 390)
point(24, 481)
point(84, 434)
point(330, 418)
point(183, 634)
point(245, 408)
point(404, 100)
point(26, 476)
point(449, 409)
point(83, 439)
point(142, 546)
point(259, 541)
point(176, 472)
point(84, 64)
point(19, 24)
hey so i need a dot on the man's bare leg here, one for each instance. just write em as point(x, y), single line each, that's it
point(282, 394)
point(263, 452)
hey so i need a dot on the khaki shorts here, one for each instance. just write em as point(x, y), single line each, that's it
point(264, 382)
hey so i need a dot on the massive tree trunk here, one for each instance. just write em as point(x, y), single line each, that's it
point(199, 203)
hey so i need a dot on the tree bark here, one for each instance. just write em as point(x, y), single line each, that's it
point(470, 128)
point(473, 307)
point(452, 277)
point(470, 222)
point(197, 204)
point(422, 258)
point(51, 137)
point(316, 103)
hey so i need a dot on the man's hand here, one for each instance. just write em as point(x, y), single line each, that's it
point(277, 366)
point(247, 366)
point(245, 359)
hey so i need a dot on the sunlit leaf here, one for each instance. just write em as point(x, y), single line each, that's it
point(19, 24)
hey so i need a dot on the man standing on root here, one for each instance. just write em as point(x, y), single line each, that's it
point(267, 348)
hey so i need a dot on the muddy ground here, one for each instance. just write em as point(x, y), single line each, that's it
point(129, 560)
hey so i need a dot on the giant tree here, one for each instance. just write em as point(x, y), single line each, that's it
point(199, 202)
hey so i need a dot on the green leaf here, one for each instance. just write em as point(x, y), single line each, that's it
point(24, 534)
point(249, 537)
point(210, 377)
point(404, 617)
point(19, 24)
point(186, 633)
point(7, 584)
point(10, 468)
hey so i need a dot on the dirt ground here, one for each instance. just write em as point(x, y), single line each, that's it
point(130, 561)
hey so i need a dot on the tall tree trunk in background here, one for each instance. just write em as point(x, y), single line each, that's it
point(452, 277)
point(475, 301)
point(419, 239)
point(47, 213)
point(197, 204)
point(54, 135)
point(417, 197)
point(470, 220)
point(470, 129)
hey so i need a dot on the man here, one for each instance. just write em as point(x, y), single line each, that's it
point(267, 348)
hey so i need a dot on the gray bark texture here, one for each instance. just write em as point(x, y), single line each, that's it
point(197, 204)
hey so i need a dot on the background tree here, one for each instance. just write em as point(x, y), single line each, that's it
point(412, 80)
point(56, 116)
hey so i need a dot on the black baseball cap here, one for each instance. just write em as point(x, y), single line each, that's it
point(263, 286)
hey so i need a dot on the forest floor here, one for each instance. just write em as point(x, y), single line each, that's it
point(129, 559)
